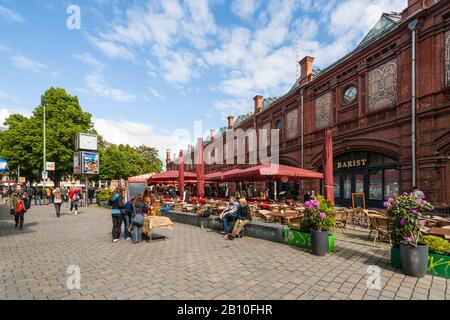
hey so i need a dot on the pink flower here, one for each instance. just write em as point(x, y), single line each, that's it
point(408, 239)
point(422, 222)
point(322, 215)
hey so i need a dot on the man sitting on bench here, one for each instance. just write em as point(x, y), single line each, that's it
point(229, 214)
point(243, 217)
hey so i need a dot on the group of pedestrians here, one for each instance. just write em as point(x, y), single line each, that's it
point(131, 214)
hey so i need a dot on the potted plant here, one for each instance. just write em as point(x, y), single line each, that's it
point(319, 215)
point(405, 221)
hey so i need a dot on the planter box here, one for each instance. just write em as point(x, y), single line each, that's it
point(300, 239)
point(438, 265)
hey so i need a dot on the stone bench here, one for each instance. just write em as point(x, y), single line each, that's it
point(255, 229)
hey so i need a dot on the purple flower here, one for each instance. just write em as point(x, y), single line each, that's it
point(408, 239)
point(390, 199)
point(414, 211)
point(422, 222)
point(402, 222)
point(322, 215)
point(387, 204)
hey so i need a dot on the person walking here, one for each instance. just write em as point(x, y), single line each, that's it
point(116, 202)
point(38, 196)
point(91, 194)
point(57, 201)
point(30, 193)
point(74, 196)
point(127, 213)
point(137, 218)
point(17, 206)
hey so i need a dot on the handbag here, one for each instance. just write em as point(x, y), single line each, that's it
point(138, 219)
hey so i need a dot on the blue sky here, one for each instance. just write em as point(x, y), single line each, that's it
point(147, 70)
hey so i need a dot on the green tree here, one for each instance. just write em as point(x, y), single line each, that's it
point(120, 162)
point(22, 143)
point(152, 163)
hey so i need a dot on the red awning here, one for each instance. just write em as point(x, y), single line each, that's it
point(272, 172)
point(222, 176)
point(171, 175)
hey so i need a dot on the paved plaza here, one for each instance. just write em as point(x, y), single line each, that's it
point(190, 264)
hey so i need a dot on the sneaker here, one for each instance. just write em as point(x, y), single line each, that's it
point(127, 239)
point(116, 240)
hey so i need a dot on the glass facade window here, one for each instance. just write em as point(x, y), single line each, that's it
point(349, 95)
point(375, 185)
point(391, 185)
point(359, 183)
point(337, 186)
point(348, 186)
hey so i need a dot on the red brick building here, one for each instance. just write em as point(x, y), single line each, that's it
point(366, 99)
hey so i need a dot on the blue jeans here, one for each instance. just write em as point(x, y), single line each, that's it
point(229, 217)
point(37, 199)
point(126, 222)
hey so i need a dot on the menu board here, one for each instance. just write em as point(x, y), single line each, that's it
point(358, 200)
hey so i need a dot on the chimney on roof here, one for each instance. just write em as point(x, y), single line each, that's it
point(230, 122)
point(258, 104)
point(212, 133)
point(306, 65)
point(167, 159)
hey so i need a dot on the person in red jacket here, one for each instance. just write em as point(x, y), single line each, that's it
point(74, 195)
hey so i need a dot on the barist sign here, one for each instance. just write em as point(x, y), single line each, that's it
point(351, 164)
point(86, 141)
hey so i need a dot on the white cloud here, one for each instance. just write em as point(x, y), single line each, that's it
point(97, 86)
point(88, 59)
point(136, 134)
point(6, 111)
point(10, 15)
point(245, 9)
point(25, 63)
point(156, 94)
point(111, 49)
point(7, 96)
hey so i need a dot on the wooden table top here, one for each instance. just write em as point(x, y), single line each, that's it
point(439, 231)
point(282, 215)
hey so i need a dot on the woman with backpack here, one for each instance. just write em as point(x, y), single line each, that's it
point(116, 202)
point(137, 218)
point(74, 196)
point(18, 200)
point(57, 200)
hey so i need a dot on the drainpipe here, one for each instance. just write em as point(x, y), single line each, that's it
point(302, 121)
point(413, 27)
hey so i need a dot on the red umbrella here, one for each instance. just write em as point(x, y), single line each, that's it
point(272, 172)
point(200, 169)
point(222, 176)
point(171, 175)
point(181, 174)
point(327, 159)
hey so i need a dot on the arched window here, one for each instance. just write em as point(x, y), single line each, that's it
point(279, 125)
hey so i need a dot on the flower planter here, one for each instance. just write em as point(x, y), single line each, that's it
point(319, 242)
point(301, 239)
point(438, 265)
point(414, 260)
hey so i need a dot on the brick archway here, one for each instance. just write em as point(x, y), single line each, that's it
point(385, 147)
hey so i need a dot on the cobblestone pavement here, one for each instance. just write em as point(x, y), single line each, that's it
point(190, 264)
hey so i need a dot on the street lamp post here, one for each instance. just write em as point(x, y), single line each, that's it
point(44, 178)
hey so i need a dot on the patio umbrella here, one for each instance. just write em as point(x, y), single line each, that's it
point(200, 169)
point(327, 159)
point(171, 176)
point(222, 176)
point(181, 175)
point(273, 172)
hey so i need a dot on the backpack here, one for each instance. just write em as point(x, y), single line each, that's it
point(19, 206)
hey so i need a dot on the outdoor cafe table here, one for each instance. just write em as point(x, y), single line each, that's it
point(282, 216)
point(440, 232)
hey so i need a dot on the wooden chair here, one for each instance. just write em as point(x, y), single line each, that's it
point(265, 217)
point(341, 220)
point(379, 224)
point(295, 222)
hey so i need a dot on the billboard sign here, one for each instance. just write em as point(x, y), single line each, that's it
point(90, 163)
point(3, 165)
point(77, 162)
point(50, 166)
point(86, 141)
